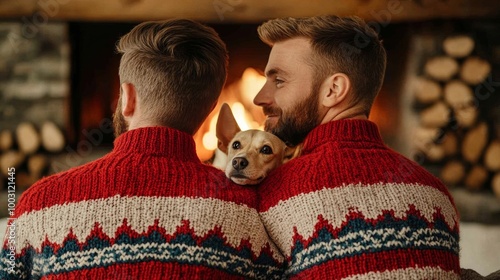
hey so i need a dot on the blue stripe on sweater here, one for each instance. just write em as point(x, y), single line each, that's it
point(182, 249)
point(358, 237)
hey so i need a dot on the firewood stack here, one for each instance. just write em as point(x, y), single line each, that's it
point(452, 132)
point(28, 150)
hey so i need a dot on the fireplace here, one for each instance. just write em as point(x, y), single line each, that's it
point(94, 90)
point(95, 85)
point(95, 82)
point(411, 39)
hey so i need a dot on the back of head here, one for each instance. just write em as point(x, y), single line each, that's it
point(347, 45)
point(178, 68)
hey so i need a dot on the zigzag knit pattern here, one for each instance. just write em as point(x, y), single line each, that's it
point(147, 210)
point(351, 208)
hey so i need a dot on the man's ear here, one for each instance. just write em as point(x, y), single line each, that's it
point(129, 99)
point(335, 89)
point(226, 127)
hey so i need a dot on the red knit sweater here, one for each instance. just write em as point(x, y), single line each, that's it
point(349, 207)
point(147, 210)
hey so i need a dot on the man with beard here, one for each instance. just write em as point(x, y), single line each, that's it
point(348, 206)
point(149, 209)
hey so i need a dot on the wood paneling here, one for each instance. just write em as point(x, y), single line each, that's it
point(38, 11)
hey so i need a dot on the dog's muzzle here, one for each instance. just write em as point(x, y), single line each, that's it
point(239, 163)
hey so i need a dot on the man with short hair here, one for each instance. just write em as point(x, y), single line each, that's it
point(149, 209)
point(348, 206)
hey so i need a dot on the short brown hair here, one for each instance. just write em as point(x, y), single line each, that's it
point(346, 45)
point(178, 68)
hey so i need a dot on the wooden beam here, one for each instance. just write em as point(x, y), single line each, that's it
point(240, 11)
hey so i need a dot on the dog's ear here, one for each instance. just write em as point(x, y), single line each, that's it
point(226, 127)
point(292, 152)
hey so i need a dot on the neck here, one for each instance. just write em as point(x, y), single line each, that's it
point(349, 113)
point(139, 123)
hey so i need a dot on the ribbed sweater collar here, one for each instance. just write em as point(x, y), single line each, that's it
point(342, 131)
point(158, 140)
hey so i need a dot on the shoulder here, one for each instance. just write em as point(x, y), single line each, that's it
point(50, 190)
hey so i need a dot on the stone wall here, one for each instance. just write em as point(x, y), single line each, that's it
point(34, 74)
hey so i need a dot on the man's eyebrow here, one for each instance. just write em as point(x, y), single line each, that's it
point(275, 71)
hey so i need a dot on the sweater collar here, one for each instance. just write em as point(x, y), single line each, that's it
point(348, 130)
point(158, 140)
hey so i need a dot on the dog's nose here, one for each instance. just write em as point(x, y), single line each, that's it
point(240, 163)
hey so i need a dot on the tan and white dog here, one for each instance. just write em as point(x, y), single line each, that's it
point(251, 154)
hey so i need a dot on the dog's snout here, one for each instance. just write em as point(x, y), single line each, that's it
point(239, 163)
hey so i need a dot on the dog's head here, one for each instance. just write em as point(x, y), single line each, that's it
point(251, 154)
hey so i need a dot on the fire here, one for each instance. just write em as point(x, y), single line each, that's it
point(239, 96)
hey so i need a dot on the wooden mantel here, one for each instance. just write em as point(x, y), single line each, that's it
point(39, 11)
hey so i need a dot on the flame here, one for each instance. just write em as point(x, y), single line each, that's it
point(239, 96)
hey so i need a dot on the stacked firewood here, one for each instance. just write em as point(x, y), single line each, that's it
point(452, 132)
point(27, 149)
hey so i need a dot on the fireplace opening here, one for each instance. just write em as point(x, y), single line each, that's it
point(95, 82)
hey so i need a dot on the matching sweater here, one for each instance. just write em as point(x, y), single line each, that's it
point(147, 210)
point(351, 208)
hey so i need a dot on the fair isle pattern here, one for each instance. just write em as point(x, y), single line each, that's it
point(204, 214)
point(175, 229)
point(408, 273)
point(127, 253)
point(183, 248)
point(327, 247)
point(325, 203)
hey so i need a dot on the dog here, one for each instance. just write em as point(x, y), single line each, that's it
point(251, 154)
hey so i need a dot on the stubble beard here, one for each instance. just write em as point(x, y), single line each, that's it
point(294, 124)
point(120, 126)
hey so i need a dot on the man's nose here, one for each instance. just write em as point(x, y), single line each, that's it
point(263, 97)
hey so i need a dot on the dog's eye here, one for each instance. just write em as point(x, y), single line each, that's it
point(266, 150)
point(236, 145)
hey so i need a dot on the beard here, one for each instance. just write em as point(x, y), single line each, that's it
point(120, 126)
point(294, 124)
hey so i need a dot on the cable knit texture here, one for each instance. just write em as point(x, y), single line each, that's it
point(147, 210)
point(351, 208)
